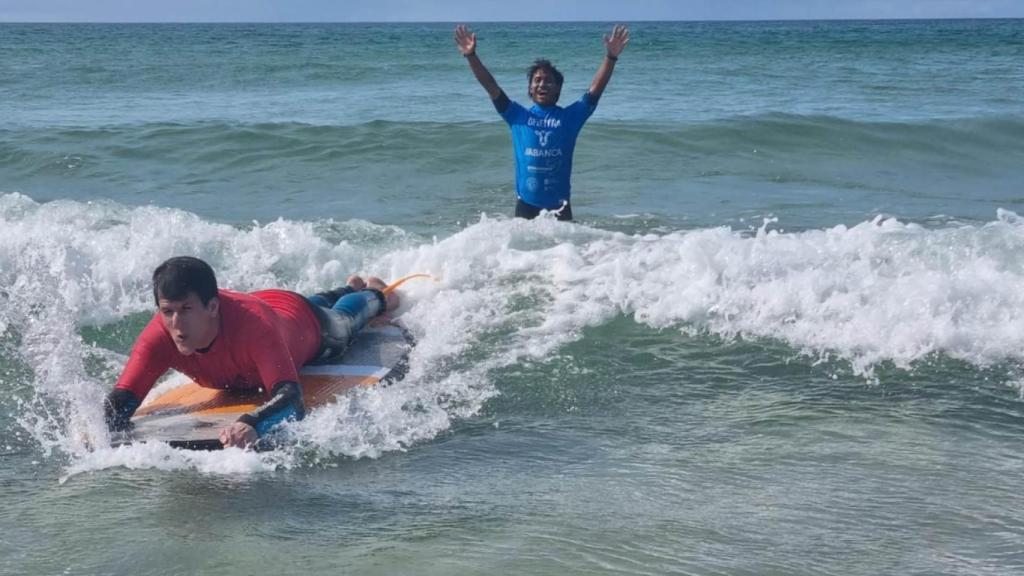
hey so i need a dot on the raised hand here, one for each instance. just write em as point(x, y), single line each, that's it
point(465, 40)
point(616, 42)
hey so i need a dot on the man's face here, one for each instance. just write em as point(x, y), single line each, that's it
point(544, 88)
point(191, 325)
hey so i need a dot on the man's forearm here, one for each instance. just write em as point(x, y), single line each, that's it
point(285, 404)
point(603, 75)
point(118, 409)
point(484, 76)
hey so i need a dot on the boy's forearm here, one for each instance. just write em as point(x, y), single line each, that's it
point(483, 76)
point(603, 75)
point(285, 404)
point(119, 407)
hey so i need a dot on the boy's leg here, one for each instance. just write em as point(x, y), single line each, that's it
point(342, 321)
point(329, 298)
point(360, 307)
point(391, 298)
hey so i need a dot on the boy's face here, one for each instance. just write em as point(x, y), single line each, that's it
point(544, 88)
point(192, 325)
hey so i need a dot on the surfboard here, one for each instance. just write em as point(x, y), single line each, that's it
point(192, 417)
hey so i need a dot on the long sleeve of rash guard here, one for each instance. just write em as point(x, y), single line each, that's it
point(118, 408)
point(285, 403)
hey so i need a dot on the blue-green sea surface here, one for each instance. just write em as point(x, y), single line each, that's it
point(784, 335)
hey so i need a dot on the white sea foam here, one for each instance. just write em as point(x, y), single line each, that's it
point(511, 291)
point(878, 291)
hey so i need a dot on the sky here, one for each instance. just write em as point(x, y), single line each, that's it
point(493, 10)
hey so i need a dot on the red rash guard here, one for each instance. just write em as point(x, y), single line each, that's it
point(264, 338)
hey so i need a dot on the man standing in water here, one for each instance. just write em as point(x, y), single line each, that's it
point(544, 136)
point(226, 339)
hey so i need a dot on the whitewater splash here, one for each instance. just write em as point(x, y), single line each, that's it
point(512, 291)
point(878, 291)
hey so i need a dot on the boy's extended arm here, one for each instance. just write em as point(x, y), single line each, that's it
point(147, 361)
point(614, 44)
point(466, 42)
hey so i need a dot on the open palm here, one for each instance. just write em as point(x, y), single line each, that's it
point(617, 40)
point(465, 40)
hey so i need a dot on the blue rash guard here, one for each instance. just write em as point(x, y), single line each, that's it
point(543, 138)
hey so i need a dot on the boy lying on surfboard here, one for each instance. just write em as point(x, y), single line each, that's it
point(233, 340)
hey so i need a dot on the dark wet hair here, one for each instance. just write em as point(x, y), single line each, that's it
point(178, 276)
point(547, 66)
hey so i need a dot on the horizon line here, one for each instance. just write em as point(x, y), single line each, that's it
point(717, 20)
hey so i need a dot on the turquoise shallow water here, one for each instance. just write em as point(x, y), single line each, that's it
point(712, 121)
point(783, 337)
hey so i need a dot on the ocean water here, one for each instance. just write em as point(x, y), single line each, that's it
point(785, 334)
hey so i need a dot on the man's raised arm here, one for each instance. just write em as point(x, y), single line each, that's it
point(614, 44)
point(466, 42)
